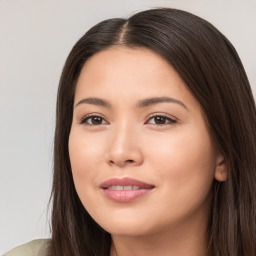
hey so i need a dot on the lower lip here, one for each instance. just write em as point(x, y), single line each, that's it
point(125, 196)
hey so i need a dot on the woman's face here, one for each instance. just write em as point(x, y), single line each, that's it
point(141, 155)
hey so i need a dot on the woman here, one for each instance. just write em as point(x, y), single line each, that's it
point(155, 142)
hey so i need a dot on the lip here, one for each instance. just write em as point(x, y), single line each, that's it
point(127, 195)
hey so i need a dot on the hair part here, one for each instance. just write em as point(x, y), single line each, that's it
point(213, 72)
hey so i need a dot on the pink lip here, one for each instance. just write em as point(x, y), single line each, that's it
point(125, 196)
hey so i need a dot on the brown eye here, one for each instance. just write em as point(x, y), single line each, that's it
point(161, 120)
point(94, 120)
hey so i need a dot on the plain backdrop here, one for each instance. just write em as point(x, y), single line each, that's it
point(35, 39)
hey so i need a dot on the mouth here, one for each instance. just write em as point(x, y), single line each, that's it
point(123, 187)
point(125, 190)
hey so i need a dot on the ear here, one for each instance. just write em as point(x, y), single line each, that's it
point(221, 172)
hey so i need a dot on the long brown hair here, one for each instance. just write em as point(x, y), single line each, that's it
point(212, 70)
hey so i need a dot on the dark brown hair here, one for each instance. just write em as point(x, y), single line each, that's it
point(212, 70)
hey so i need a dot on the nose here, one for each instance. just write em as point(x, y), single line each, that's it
point(124, 149)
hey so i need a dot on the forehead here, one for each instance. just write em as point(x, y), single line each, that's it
point(121, 61)
point(122, 72)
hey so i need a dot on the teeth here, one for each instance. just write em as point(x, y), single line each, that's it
point(123, 187)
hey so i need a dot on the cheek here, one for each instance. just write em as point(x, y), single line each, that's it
point(186, 160)
point(187, 145)
point(84, 153)
point(184, 165)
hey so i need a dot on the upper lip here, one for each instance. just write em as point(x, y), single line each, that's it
point(126, 181)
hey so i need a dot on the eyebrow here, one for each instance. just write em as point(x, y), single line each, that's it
point(157, 100)
point(140, 104)
point(94, 101)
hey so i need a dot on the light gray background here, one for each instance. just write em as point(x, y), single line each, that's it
point(35, 38)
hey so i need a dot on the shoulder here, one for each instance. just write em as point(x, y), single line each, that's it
point(33, 248)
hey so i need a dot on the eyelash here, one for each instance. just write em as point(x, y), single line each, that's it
point(88, 117)
point(166, 119)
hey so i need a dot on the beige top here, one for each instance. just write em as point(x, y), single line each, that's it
point(33, 248)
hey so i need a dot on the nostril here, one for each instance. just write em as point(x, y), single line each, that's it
point(121, 163)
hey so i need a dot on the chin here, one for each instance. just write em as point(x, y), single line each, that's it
point(124, 226)
point(128, 230)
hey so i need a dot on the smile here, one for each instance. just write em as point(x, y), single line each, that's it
point(125, 190)
point(123, 187)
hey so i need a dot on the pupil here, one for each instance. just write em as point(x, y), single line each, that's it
point(96, 120)
point(160, 120)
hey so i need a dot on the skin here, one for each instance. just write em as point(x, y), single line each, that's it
point(176, 155)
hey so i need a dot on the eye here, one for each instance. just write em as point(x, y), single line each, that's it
point(161, 120)
point(94, 120)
